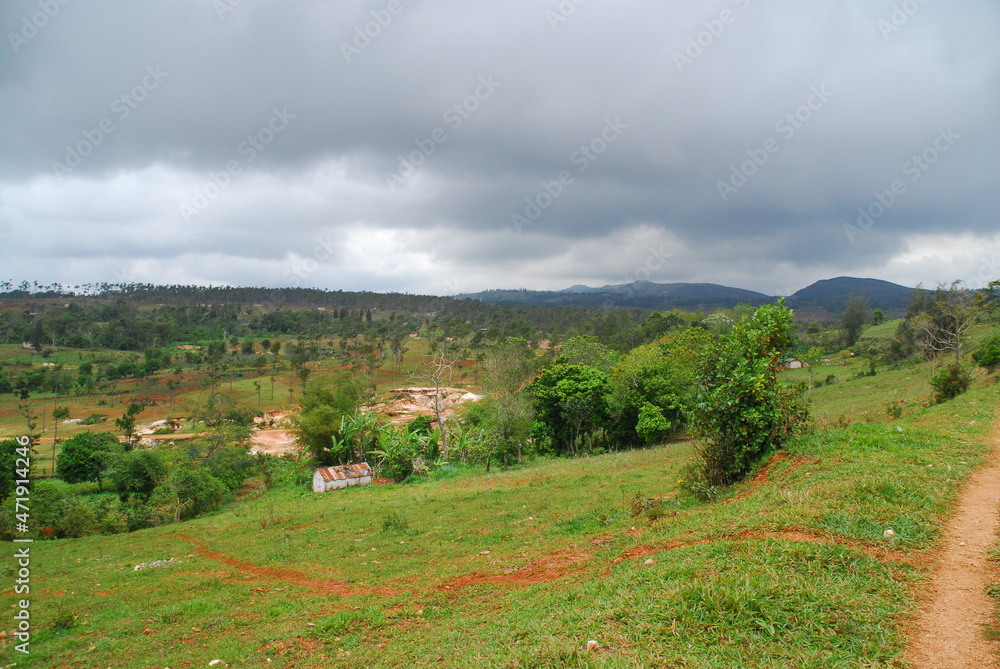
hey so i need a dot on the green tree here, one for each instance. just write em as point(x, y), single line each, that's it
point(570, 403)
point(988, 353)
point(652, 424)
point(945, 320)
point(397, 451)
point(878, 317)
point(663, 375)
point(187, 492)
point(504, 418)
point(854, 318)
point(84, 457)
point(136, 473)
point(323, 410)
point(743, 411)
point(8, 465)
point(587, 350)
point(58, 414)
point(127, 424)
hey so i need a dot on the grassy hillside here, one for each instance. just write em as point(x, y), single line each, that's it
point(522, 568)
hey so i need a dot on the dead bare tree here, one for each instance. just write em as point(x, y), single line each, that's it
point(438, 371)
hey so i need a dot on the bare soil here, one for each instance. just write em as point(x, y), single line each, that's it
point(274, 442)
point(950, 632)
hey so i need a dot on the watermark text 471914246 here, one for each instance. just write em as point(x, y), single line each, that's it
point(22, 553)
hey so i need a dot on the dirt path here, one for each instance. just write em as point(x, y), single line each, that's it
point(949, 632)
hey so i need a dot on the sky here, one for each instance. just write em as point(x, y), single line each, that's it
point(444, 147)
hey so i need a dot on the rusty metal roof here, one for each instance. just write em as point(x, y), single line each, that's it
point(342, 472)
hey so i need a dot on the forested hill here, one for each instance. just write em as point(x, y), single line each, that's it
point(828, 294)
point(137, 317)
point(194, 295)
point(831, 294)
point(638, 294)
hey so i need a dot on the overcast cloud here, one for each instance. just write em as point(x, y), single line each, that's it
point(440, 147)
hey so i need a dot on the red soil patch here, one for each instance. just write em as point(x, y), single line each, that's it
point(763, 476)
point(549, 568)
point(637, 552)
point(287, 575)
point(249, 488)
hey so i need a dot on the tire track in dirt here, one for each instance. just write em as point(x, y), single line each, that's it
point(949, 632)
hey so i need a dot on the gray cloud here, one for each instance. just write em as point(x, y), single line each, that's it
point(479, 111)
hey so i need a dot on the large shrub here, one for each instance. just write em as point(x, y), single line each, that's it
point(950, 382)
point(188, 491)
point(743, 412)
point(136, 473)
point(77, 520)
point(84, 457)
point(988, 353)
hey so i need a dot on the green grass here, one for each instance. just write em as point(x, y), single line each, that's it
point(791, 570)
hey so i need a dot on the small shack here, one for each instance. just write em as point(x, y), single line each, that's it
point(328, 478)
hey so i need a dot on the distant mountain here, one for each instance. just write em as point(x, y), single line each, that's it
point(828, 295)
point(638, 294)
point(831, 294)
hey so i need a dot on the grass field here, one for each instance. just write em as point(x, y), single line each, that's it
point(522, 568)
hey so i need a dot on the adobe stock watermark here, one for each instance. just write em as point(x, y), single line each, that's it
point(787, 125)
point(35, 23)
point(121, 108)
point(913, 169)
point(365, 34)
point(225, 7)
point(655, 260)
point(562, 13)
point(900, 16)
point(303, 268)
point(247, 150)
point(582, 158)
point(989, 269)
point(712, 30)
point(454, 116)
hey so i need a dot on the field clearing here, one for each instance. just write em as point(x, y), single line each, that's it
point(521, 568)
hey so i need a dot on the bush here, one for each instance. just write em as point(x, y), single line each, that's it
point(84, 457)
point(950, 383)
point(112, 517)
point(189, 491)
point(78, 519)
point(136, 473)
point(48, 504)
point(743, 412)
point(988, 353)
point(231, 465)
